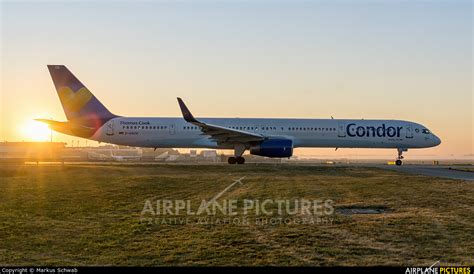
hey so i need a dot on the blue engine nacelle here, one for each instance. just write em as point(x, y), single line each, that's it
point(276, 148)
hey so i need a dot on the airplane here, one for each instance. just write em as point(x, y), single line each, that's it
point(124, 158)
point(88, 118)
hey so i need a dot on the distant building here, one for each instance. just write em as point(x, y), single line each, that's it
point(114, 153)
point(209, 155)
point(174, 158)
point(31, 151)
point(162, 157)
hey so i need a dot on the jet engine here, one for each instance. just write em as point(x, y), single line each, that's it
point(275, 148)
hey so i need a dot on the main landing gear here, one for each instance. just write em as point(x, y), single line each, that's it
point(238, 159)
point(398, 162)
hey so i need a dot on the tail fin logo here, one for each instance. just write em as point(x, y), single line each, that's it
point(74, 101)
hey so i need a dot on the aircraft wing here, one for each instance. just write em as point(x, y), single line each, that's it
point(220, 134)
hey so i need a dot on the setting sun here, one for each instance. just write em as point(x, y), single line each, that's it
point(35, 131)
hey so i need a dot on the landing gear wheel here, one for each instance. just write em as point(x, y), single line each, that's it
point(232, 160)
point(240, 160)
point(398, 162)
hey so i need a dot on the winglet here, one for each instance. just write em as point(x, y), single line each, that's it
point(186, 113)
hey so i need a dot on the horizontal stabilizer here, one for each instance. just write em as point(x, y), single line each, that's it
point(69, 128)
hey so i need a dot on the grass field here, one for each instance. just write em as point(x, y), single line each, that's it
point(90, 215)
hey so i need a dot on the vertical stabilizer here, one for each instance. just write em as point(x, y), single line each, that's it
point(79, 104)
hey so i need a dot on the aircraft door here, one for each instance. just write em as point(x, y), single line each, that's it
point(110, 128)
point(341, 130)
point(409, 132)
point(172, 129)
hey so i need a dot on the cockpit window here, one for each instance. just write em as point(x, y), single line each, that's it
point(425, 131)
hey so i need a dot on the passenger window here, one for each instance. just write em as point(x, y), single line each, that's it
point(425, 131)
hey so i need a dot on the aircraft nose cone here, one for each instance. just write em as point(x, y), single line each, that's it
point(436, 140)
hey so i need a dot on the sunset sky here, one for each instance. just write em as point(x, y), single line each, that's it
point(409, 60)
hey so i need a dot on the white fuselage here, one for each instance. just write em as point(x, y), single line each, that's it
point(338, 133)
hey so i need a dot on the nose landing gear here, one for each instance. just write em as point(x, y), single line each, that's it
point(398, 162)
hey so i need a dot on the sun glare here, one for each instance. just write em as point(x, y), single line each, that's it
point(35, 131)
